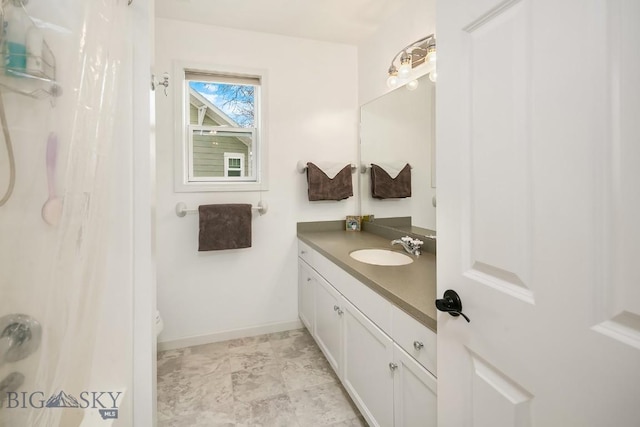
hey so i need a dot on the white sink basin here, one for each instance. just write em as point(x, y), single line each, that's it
point(381, 257)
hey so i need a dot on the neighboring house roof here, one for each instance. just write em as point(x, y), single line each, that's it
point(214, 113)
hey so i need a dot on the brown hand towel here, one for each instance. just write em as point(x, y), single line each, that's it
point(321, 187)
point(224, 227)
point(385, 187)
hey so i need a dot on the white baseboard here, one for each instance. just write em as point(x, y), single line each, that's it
point(229, 335)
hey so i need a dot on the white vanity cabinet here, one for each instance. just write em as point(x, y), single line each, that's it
point(381, 355)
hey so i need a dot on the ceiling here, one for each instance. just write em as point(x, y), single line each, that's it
point(339, 21)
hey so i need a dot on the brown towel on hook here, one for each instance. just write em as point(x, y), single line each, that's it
point(321, 187)
point(224, 227)
point(385, 187)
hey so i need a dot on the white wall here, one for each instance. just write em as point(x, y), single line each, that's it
point(312, 116)
point(414, 21)
point(144, 271)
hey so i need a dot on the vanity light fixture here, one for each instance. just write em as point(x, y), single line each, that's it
point(419, 53)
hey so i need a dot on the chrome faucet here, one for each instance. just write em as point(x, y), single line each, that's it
point(410, 245)
point(20, 336)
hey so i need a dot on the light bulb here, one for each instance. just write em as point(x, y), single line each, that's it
point(392, 82)
point(431, 57)
point(430, 60)
point(404, 70)
point(433, 76)
point(412, 85)
point(429, 67)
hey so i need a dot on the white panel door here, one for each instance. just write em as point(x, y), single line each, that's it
point(538, 137)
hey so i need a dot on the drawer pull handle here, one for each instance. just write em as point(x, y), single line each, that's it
point(393, 366)
point(418, 345)
point(308, 279)
point(338, 310)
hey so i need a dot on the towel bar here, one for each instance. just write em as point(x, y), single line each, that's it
point(302, 167)
point(181, 209)
point(364, 168)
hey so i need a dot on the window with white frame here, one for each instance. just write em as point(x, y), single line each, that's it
point(233, 164)
point(222, 147)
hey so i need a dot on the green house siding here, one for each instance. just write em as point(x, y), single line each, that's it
point(208, 150)
point(208, 154)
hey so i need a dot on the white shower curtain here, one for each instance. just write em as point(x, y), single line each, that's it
point(58, 274)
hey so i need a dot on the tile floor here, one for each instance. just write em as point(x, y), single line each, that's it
point(274, 380)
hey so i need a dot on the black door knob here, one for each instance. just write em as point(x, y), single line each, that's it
point(451, 304)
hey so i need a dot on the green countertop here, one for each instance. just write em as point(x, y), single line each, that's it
point(411, 287)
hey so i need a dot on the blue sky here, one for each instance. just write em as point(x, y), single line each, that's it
point(237, 105)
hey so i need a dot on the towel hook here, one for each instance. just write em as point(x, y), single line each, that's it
point(155, 82)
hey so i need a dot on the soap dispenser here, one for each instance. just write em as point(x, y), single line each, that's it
point(15, 26)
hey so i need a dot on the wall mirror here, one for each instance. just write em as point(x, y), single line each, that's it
point(399, 127)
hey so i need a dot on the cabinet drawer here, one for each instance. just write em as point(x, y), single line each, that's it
point(306, 253)
point(415, 338)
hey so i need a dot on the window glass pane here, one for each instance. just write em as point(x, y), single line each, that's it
point(232, 104)
point(209, 147)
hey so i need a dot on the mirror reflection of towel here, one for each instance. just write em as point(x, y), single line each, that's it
point(383, 186)
point(321, 187)
point(392, 168)
point(224, 227)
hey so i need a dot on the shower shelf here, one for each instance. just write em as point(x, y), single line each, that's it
point(37, 84)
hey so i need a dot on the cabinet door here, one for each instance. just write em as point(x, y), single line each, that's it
point(306, 284)
point(328, 322)
point(414, 392)
point(368, 369)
